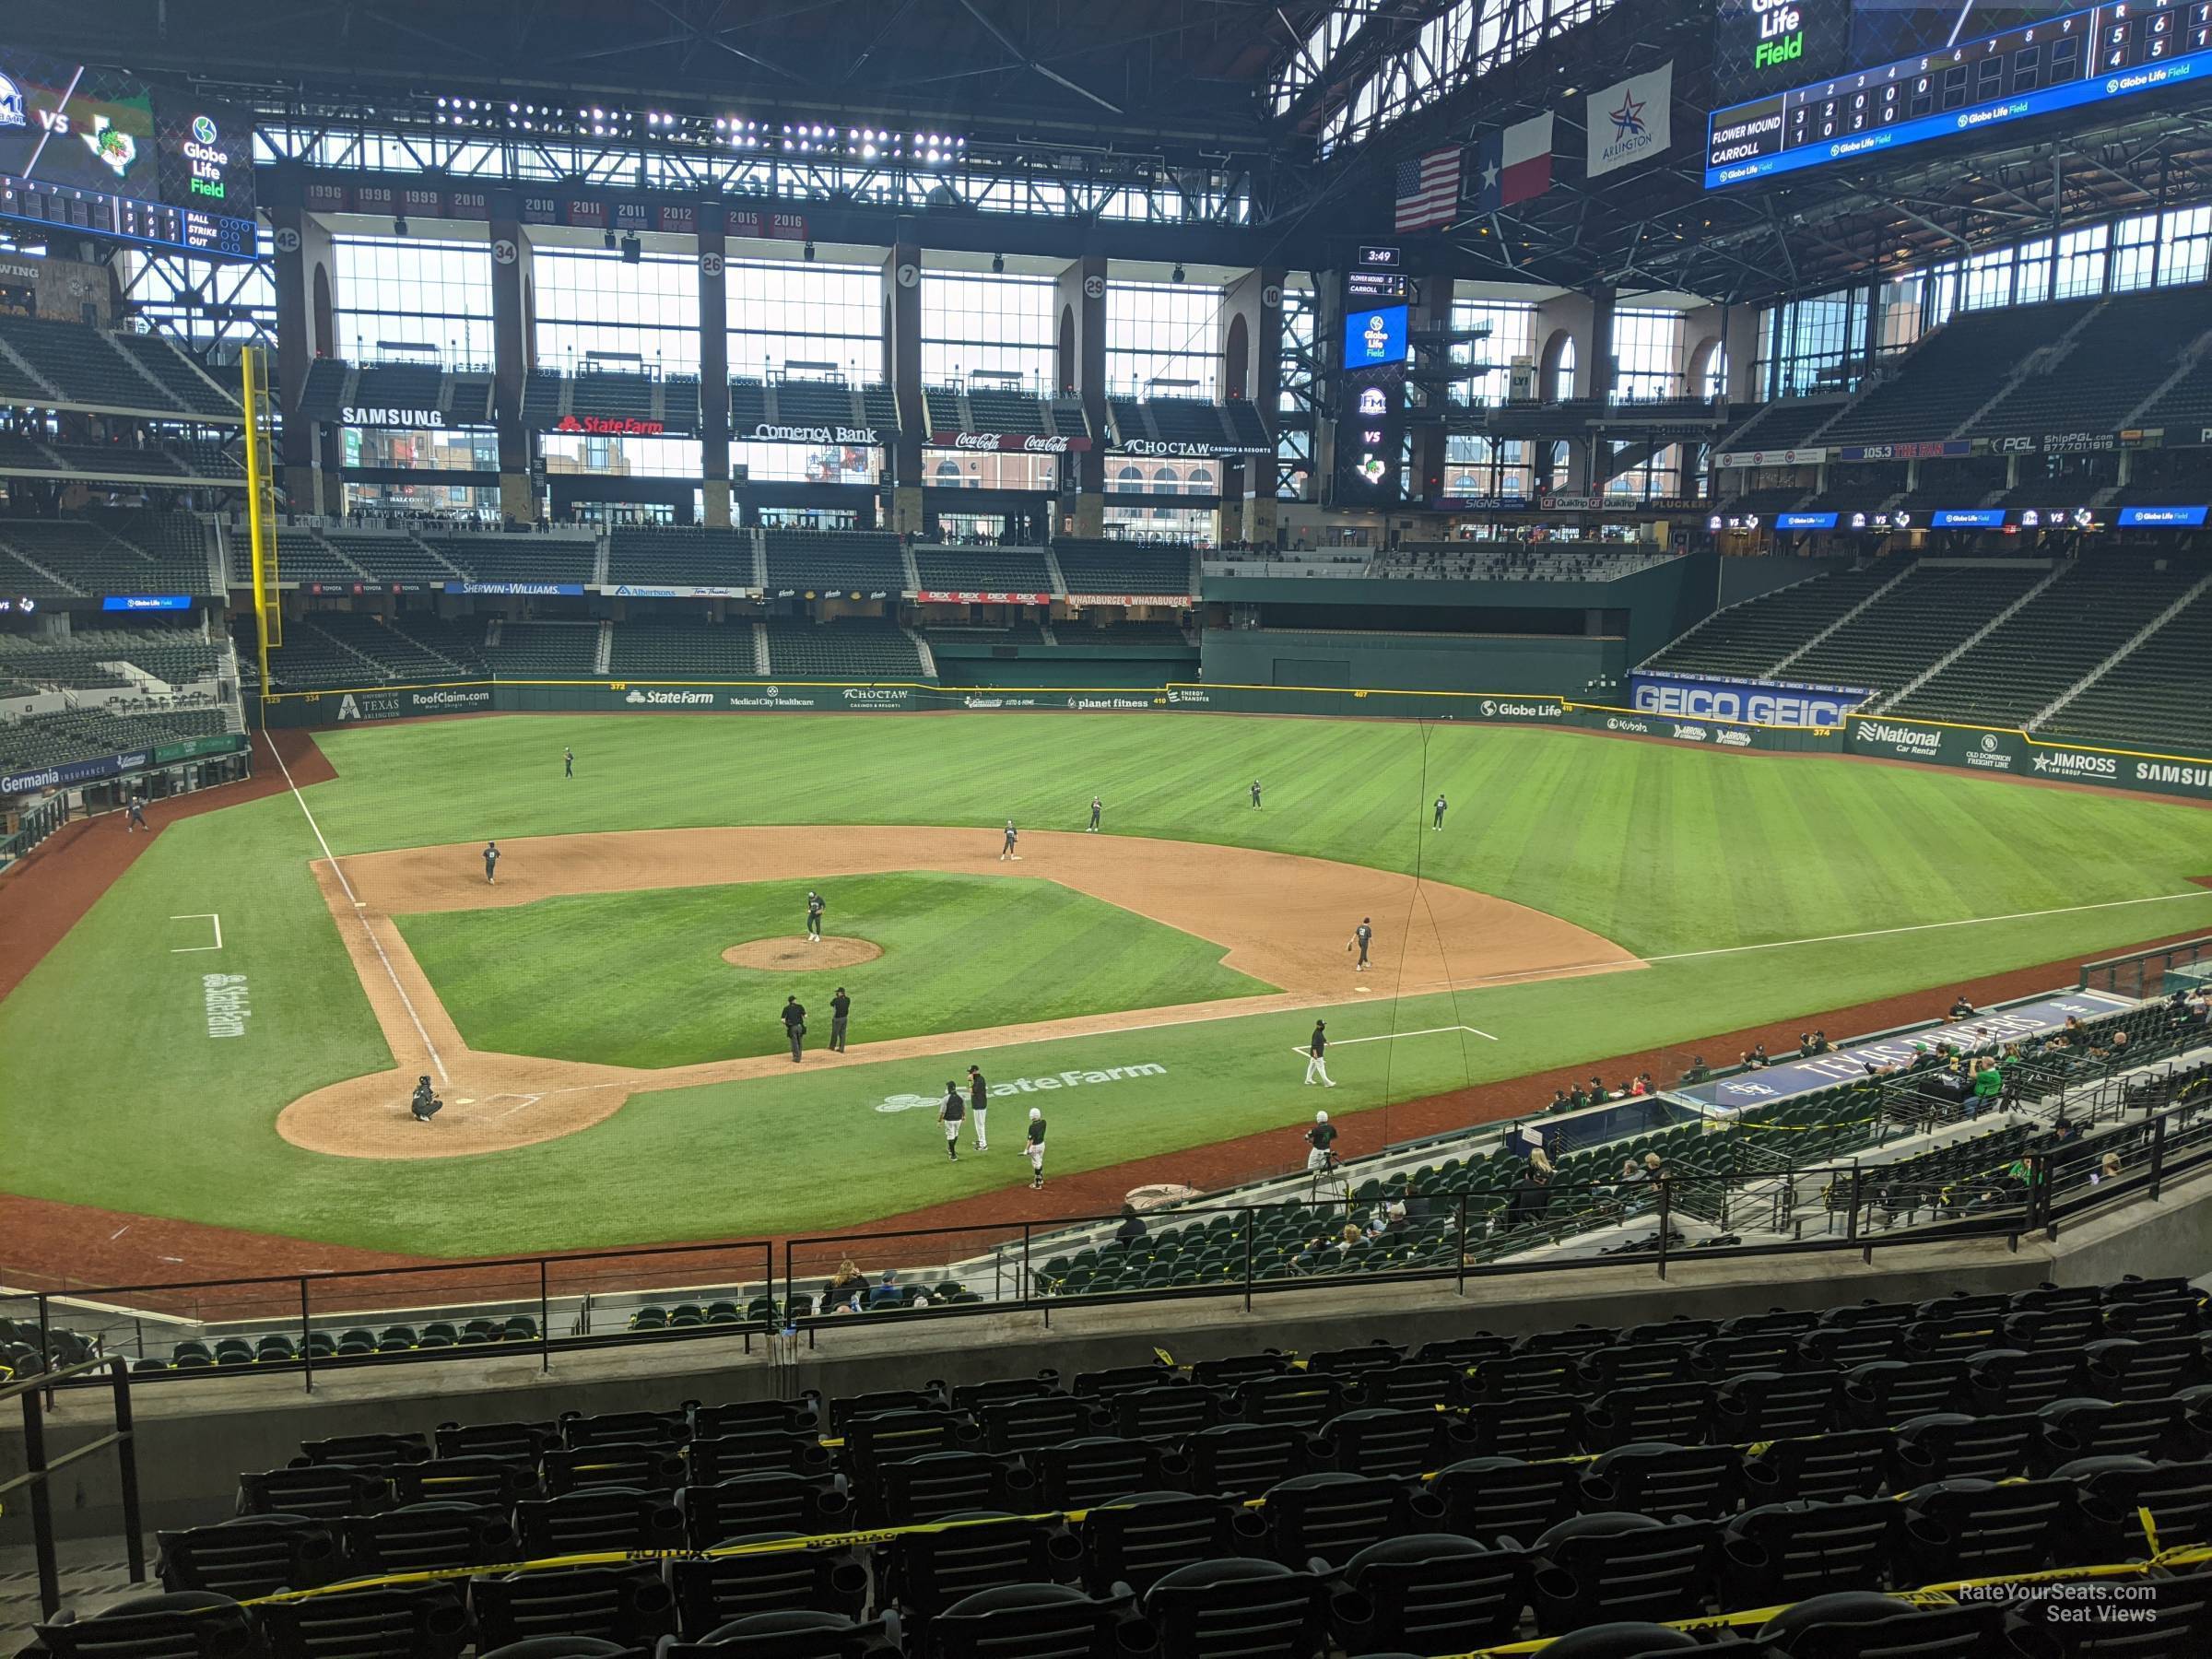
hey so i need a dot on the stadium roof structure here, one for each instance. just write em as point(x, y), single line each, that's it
point(1172, 70)
point(1657, 227)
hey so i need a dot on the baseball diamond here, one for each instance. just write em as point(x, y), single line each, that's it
point(1524, 692)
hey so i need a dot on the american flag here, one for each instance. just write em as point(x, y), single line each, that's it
point(1428, 189)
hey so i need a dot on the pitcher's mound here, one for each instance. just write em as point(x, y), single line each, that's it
point(790, 956)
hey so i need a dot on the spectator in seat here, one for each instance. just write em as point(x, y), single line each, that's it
point(847, 1284)
point(1417, 1205)
point(2113, 1047)
point(1531, 1195)
point(1599, 1095)
point(887, 1292)
point(1805, 1050)
point(2197, 1007)
point(1644, 1085)
point(1576, 1099)
point(2108, 1168)
point(1989, 1087)
point(1821, 1042)
point(1960, 1009)
point(1697, 1072)
point(1759, 1056)
point(1131, 1228)
point(1559, 1102)
point(1655, 1166)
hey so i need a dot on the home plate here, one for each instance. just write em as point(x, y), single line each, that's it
point(466, 1100)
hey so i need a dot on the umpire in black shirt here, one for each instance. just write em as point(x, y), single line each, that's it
point(840, 1008)
point(794, 1025)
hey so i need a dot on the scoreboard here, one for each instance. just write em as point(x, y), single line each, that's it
point(98, 152)
point(1370, 412)
point(2042, 61)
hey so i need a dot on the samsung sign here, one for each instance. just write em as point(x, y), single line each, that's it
point(1757, 702)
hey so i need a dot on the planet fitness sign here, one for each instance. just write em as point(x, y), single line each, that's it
point(1754, 703)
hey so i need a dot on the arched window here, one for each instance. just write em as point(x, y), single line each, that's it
point(1201, 481)
point(1130, 479)
point(1562, 373)
point(1165, 481)
point(948, 472)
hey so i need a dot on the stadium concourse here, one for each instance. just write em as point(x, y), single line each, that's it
point(1527, 686)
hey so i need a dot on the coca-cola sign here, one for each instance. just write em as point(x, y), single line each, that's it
point(1017, 443)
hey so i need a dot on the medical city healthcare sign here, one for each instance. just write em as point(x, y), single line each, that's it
point(1754, 703)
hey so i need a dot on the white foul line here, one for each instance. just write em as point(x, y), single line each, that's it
point(199, 916)
point(1393, 1036)
point(339, 871)
point(1877, 933)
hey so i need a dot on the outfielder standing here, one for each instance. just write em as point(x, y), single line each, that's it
point(1036, 1147)
point(1008, 852)
point(1095, 808)
point(948, 1114)
point(814, 917)
point(1255, 792)
point(1362, 936)
point(979, 1098)
point(491, 860)
point(1439, 813)
point(1316, 1047)
point(568, 762)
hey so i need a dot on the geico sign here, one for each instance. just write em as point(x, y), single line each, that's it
point(769, 432)
point(379, 415)
point(1760, 707)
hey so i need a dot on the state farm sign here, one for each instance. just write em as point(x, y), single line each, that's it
point(611, 426)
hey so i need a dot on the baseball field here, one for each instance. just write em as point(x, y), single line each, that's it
point(228, 1036)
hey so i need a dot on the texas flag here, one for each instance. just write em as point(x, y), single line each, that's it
point(1513, 165)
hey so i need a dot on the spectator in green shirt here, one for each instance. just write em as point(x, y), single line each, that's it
point(1989, 1087)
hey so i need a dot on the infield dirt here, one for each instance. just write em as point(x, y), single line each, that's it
point(1280, 918)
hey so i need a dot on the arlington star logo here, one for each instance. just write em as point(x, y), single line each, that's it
point(1628, 120)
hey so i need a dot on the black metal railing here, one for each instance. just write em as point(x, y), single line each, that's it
point(39, 1469)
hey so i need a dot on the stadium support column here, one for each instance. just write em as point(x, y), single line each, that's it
point(1079, 306)
point(512, 341)
point(903, 351)
point(714, 364)
point(306, 329)
point(1603, 367)
point(1431, 312)
point(1251, 369)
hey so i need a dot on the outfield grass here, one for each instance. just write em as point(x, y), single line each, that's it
point(960, 953)
point(112, 1093)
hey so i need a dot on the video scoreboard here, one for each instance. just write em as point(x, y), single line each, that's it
point(1949, 81)
point(100, 152)
point(1371, 415)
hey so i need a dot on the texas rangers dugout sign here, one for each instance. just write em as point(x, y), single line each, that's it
point(1755, 702)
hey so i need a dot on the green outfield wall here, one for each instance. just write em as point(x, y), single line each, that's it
point(1988, 750)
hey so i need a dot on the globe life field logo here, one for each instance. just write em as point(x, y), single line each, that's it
point(208, 158)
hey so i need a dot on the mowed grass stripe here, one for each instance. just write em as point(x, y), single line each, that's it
point(637, 978)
